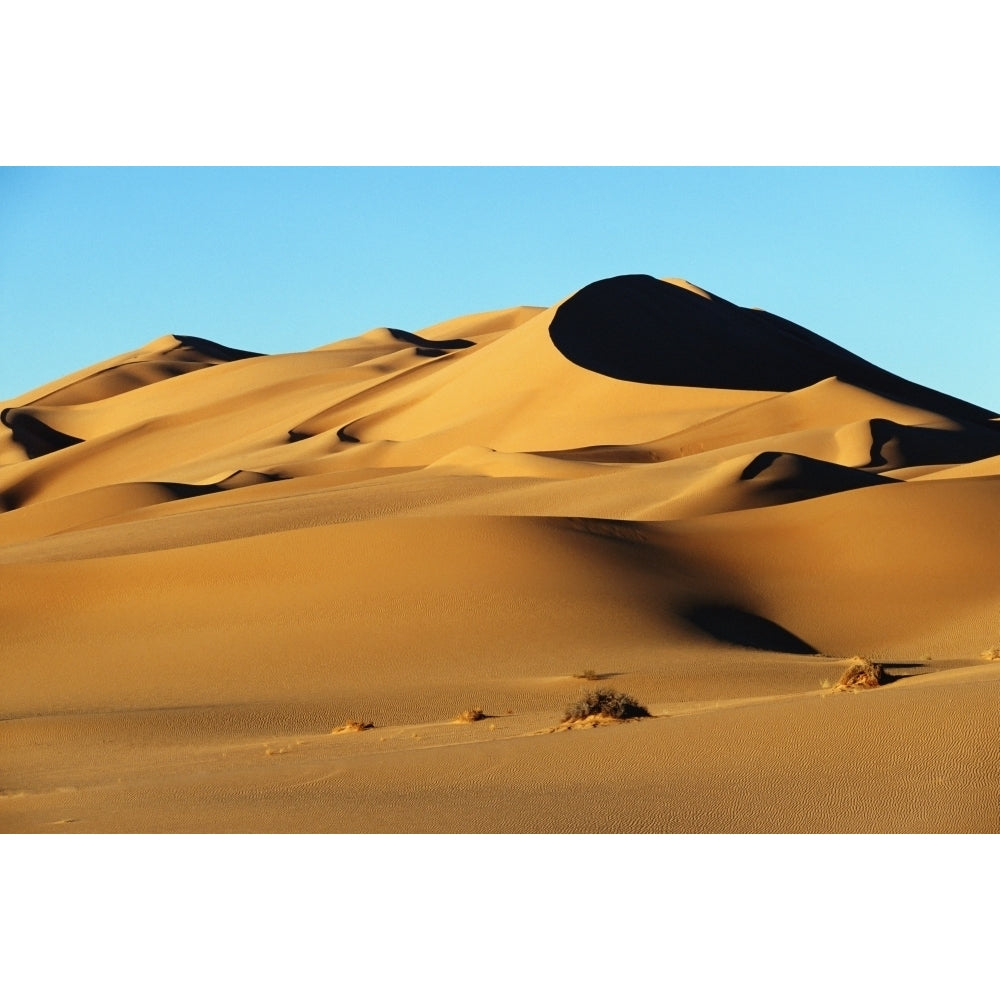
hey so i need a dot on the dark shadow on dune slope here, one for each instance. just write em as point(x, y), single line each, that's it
point(616, 454)
point(210, 349)
point(14, 499)
point(639, 329)
point(33, 435)
point(425, 347)
point(742, 628)
point(185, 491)
point(900, 446)
point(798, 477)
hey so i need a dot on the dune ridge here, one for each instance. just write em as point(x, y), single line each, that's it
point(212, 557)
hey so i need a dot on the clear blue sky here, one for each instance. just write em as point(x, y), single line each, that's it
point(900, 265)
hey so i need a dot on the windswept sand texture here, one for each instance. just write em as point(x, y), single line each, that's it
point(218, 567)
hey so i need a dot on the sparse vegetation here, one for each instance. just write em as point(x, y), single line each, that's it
point(604, 702)
point(991, 654)
point(352, 726)
point(860, 673)
point(471, 715)
point(588, 675)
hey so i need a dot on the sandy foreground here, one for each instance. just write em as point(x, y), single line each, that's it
point(210, 561)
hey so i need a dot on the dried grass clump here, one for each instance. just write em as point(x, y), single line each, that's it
point(471, 715)
point(588, 675)
point(991, 654)
point(604, 702)
point(352, 726)
point(860, 673)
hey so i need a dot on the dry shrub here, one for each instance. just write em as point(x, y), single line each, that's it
point(604, 702)
point(991, 654)
point(588, 675)
point(471, 715)
point(860, 673)
point(351, 726)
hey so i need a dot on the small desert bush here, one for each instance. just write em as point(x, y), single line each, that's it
point(353, 726)
point(991, 654)
point(588, 675)
point(860, 673)
point(471, 715)
point(606, 702)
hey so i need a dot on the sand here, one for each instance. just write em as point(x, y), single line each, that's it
point(218, 567)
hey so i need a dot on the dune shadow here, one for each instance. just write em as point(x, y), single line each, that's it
point(897, 444)
point(33, 435)
point(743, 628)
point(430, 348)
point(185, 491)
point(210, 349)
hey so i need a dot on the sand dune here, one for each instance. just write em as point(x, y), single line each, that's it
point(212, 560)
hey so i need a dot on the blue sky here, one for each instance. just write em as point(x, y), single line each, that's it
point(899, 265)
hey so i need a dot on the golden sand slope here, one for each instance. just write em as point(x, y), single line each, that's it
point(210, 560)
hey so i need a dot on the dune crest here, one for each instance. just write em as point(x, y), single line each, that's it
point(208, 554)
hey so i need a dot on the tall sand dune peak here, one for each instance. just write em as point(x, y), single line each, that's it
point(668, 332)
